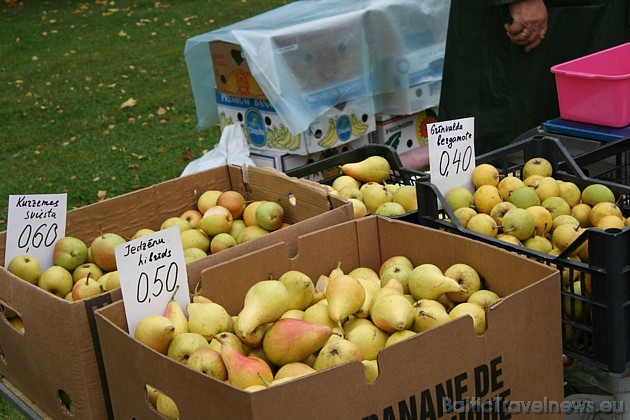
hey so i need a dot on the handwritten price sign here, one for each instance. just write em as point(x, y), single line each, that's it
point(34, 224)
point(151, 269)
point(452, 153)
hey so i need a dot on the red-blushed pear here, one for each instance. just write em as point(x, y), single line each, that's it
point(293, 340)
point(56, 280)
point(103, 250)
point(209, 362)
point(142, 232)
point(233, 201)
point(192, 216)
point(244, 371)
point(476, 312)
point(86, 288)
point(195, 238)
point(69, 252)
point(335, 353)
point(207, 199)
point(176, 314)
point(217, 219)
point(249, 214)
point(485, 174)
point(250, 233)
point(156, 332)
point(25, 267)
point(269, 215)
point(184, 344)
point(88, 268)
point(181, 224)
point(537, 166)
point(221, 242)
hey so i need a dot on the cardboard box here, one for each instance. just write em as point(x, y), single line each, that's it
point(266, 132)
point(59, 349)
point(231, 71)
point(519, 358)
point(410, 100)
point(286, 161)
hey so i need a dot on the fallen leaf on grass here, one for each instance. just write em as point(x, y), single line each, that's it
point(161, 111)
point(101, 194)
point(187, 155)
point(128, 103)
point(96, 178)
point(133, 166)
point(160, 149)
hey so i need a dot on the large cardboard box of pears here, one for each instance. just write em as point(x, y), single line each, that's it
point(516, 362)
point(56, 361)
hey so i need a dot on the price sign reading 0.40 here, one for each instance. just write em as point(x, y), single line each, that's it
point(34, 225)
point(151, 269)
point(452, 153)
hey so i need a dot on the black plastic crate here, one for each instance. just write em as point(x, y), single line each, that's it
point(595, 328)
point(330, 167)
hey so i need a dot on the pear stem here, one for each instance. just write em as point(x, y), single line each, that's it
point(175, 292)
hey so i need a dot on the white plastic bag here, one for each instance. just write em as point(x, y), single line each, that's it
point(231, 150)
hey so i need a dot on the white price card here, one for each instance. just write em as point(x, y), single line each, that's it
point(151, 268)
point(452, 153)
point(35, 222)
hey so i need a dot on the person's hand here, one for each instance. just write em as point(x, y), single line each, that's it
point(529, 23)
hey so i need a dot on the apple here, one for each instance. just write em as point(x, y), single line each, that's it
point(25, 267)
point(56, 280)
point(103, 250)
point(69, 252)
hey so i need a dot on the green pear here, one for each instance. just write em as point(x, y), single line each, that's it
point(428, 282)
point(459, 197)
point(370, 339)
point(221, 242)
point(372, 169)
point(520, 223)
point(156, 332)
point(195, 238)
point(269, 215)
point(397, 271)
point(82, 271)
point(209, 361)
point(69, 252)
point(244, 371)
point(181, 224)
point(396, 259)
point(207, 319)
point(556, 206)
point(392, 313)
point(524, 197)
point(335, 353)
point(597, 193)
point(345, 296)
point(58, 281)
point(291, 340)
point(301, 289)
point(185, 344)
point(264, 302)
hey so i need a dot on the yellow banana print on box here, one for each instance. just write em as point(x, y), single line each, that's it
point(224, 121)
point(330, 138)
point(281, 138)
point(358, 128)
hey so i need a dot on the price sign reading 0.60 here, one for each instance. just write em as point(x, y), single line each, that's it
point(36, 236)
point(455, 161)
point(161, 280)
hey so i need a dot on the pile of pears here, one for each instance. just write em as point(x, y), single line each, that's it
point(292, 326)
point(537, 211)
point(365, 185)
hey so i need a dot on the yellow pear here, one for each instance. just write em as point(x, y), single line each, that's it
point(484, 224)
point(176, 314)
point(370, 339)
point(372, 169)
point(345, 296)
point(483, 298)
point(371, 288)
point(464, 214)
point(335, 353)
point(344, 181)
point(406, 196)
point(371, 370)
point(166, 406)
point(392, 313)
point(485, 174)
point(476, 312)
point(543, 220)
point(294, 314)
point(229, 337)
point(509, 184)
point(209, 361)
point(428, 314)
point(207, 319)
point(537, 166)
point(264, 302)
point(397, 336)
point(400, 272)
point(185, 344)
point(428, 282)
point(337, 271)
point(375, 195)
point(301, 289)
point(155, 331)
point(396, 259)
point(319, 313)
point(293, 370)
point(485, 198)
point(467, 277)
point(366, 273)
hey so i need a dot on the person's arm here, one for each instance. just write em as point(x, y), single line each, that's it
point(529, 23)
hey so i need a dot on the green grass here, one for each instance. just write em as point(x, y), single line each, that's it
point(66, 69)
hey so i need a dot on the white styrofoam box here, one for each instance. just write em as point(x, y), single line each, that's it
point(410, 100)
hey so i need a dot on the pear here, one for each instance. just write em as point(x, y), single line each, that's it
point(293, 314)
point(208, 361)
point(524, 197)
point(345, 181)
point(372, 169)
point(319, 313)
point(366, 273)
point(244, 371)
point(371, 370)
point(397, 336)
point(255, 337)
point(393, 286)
point(483, 298)
point(369, 337)
point(335, 353)
point(459, 197)
point(485, 198)
point(371, 288)
point(603, 209)
point(337, 271)
point(207, 319)
point(484, 224)
point(547, 187)
point(509, 184)
point(176, 314)
point(464, 215)
point(185, 344)
point(597, 193)
point(499, 210)
point(520, 223)
point(582, 212)
point(396, 259)
point(292, 340)
point(301, 289)
point(564, 235)
point(570, 192)
point(428, 282)
point(230, 338)
point(556, 206)
point(375, 195)
point(345, 296)
point(166, 406)
point(406, 196)
point(264, 302)
point(392, 313)
point(476, 312)
point(428, 315)
point(485, 174)
point(400, 272)
point(537, 166)
point(152, 394)
point(156, 332)
point(390, 209)
point(505, 237)
point(467, 277)
point(543, 220)
point(293, 370)
point(538, 243)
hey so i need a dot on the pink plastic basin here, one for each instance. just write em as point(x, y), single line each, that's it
point(596, 88)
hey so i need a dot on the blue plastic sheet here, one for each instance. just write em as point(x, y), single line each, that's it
point(311, 55)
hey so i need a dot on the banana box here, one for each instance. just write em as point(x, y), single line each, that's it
point(410, 100)
point(287, 161)
point(231, 72)
point(404, 132)
point(265, 131)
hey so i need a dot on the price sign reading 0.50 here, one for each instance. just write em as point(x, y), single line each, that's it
point(162, 280)
point(152, 271)
point(34, 225)
point(455, 161)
